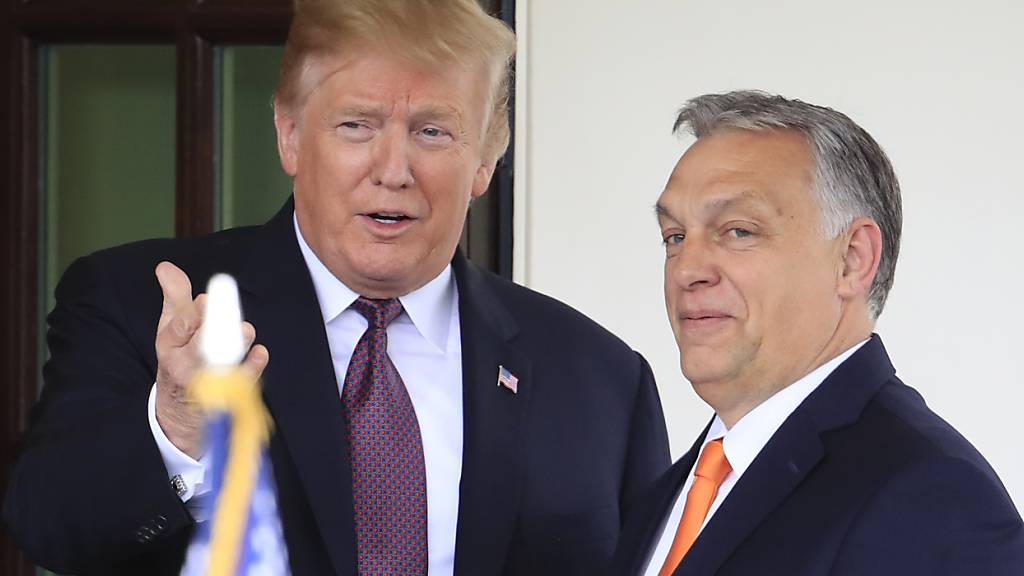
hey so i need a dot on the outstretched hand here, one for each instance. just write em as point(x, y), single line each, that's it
point(178, 358)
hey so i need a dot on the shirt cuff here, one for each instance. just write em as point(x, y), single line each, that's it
point(191, 471)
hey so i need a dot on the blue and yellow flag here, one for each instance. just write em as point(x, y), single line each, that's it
point(242, 535)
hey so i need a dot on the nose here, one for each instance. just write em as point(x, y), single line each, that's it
point(391, 166)
point(692, 267)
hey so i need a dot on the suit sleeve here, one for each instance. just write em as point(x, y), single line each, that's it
point(89, 489)
point(648, 453)
point(946, 516)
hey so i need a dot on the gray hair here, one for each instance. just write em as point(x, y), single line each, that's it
point(852, 175)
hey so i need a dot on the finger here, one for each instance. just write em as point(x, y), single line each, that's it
point(181, 328)
point(256, 360)
point(200, 305)
point(177, 291)
point(248, 334)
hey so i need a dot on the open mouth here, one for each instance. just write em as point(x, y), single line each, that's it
point(389, 217)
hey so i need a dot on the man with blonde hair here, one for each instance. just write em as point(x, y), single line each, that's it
point(429, 416)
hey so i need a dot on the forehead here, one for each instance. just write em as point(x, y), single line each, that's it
point(771, 168)
point(374, 75)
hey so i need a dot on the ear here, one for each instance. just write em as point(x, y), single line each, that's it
point(482, 179)
point(861, 256)
point(287, 125)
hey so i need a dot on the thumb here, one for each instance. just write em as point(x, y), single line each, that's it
point(177, 291)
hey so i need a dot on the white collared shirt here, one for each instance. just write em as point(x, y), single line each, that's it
point(742, 443)
point(424, 343)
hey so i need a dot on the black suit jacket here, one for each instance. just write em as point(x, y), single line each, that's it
point(546, 476)
point(862, 479)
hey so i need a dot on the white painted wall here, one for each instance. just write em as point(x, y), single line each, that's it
point(939, 85)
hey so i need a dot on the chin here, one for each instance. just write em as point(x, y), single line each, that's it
point(395, 279)
point(383, 261)
point(701, 371)
point(385, 275)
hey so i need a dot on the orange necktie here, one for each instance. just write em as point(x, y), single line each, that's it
point(712, 468)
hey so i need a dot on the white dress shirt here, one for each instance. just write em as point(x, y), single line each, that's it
point(742, 443)
point(424, 343)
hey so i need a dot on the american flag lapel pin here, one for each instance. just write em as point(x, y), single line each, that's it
point(507, 379)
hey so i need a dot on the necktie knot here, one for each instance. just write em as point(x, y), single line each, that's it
point(379, 313)
point(713, 465)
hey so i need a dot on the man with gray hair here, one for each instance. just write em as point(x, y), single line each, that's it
point(781, 227)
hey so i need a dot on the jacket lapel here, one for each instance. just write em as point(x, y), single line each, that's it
point(791, 454)
point(653, 511)
point(782, 464)
point(490, 488)
point(299, 383)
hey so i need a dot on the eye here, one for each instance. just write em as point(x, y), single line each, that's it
point(673, 239)
point(433, 132)
point(357, 131)
point(738, 232)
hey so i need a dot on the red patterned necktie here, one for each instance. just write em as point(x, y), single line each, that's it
point(389, 485)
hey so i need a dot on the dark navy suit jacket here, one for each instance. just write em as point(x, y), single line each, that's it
point(547, 473)
point(861, 480)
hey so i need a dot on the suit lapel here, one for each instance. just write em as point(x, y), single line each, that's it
point(489, 491)
point(782, 464)
point(791, 454)
point(654, 510)
point(299, 382)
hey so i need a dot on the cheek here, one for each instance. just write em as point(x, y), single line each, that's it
point(671, 297)
point(450, 173)
point(325, 153)
point(751, 289)
point(794, 302)
point(668, 286)
point(447, 186)
point(816, 275)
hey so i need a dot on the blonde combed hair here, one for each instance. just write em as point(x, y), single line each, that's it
point(431, 32)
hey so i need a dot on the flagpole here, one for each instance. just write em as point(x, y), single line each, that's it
point(223, 390)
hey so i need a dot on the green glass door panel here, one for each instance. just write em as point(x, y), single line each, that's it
point(109, 156)
point(252, 184)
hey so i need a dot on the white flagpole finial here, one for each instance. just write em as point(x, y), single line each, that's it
point(221, 343)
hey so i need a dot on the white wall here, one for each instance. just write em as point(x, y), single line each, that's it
point(939, 85)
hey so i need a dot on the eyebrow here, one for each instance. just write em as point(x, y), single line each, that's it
point(432, 112)
point(439, 112)
point(356, 110)
point(721, 204)
point(715, 206)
